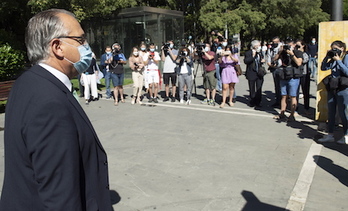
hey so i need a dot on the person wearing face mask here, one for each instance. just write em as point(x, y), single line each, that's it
point(136, 63)
point(169, 55)
point(336, 60)
point(305, 79)
point(185, 64)
point(312, 50)
point(104, 62)
point(229, 75)
point(291, 71)
point(209, 80)
point(89, 78)
point(117, 72)
point(152, 77)
point(53, 157)
point(273, 64)
point(253, 59)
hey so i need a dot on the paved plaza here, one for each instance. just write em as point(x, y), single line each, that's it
point(175, 157)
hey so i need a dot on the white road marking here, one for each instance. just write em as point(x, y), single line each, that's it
point(299, 194)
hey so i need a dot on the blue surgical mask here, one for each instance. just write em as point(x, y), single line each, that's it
point(152, 49)
point(143, 49)
point(85, 58)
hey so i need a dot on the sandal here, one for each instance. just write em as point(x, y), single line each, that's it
point(281, 117)
point(116, 103)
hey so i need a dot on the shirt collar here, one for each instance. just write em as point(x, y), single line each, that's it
point(61, 76)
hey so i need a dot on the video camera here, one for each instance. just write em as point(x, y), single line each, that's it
point(200, 48)
point(333, 52)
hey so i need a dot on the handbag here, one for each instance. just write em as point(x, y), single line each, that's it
point(262, 71)
point(238, 69)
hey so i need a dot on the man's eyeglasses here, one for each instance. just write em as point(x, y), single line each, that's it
point(82, 40)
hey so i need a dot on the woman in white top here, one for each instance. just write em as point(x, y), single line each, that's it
point(184, 71)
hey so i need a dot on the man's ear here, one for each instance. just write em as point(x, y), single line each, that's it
point(57, 49)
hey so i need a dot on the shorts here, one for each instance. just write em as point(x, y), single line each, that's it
point(289, 87)
point(152, 76)
point(117, 79)
point(171, 76)
point(210, 80)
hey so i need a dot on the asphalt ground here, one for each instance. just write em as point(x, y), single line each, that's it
point(175, 157)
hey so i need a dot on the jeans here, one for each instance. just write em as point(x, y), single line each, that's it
point(218, 77)
point(107, 83)
point(339, 100)
point(185, 79)
point(312, 63)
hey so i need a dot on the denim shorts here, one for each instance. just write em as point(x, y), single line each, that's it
point(117, 79)
point(289, 87)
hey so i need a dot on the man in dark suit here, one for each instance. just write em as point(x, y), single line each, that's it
point(253, 59)
point(53, 157)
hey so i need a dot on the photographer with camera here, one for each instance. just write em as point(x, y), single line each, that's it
point(152, 77)
point(209, 81)
point(273, 64)
point(117, 71)
point(254, 60)
point(185, 65)
point(337, 96)
point(169, 55)
point(289, 74)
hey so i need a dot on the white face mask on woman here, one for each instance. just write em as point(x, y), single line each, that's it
point(135, 53)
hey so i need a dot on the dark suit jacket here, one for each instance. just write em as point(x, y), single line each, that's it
point(53, 157)
point(249, 60)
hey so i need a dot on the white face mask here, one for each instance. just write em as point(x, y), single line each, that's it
point(224, 44)
point(258, 49)
point(313, 41)
point(171, 46)
point(136, 53)
point(206, 49)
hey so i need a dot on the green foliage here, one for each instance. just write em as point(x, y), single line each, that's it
point(11, 62)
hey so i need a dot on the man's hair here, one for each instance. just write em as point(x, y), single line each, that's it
point(253, 43)
point(41, 29)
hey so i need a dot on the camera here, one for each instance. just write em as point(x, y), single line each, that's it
point(182, 54)
point(136, 64)
point(334, 52)
point(200, 48)
point(166, 46)
point(151, 55)
point(286, 47)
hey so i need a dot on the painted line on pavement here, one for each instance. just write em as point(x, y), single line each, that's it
point(242, 111)
point(300, 192)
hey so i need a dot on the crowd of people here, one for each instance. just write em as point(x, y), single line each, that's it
point(292, 63)
point(221, 71)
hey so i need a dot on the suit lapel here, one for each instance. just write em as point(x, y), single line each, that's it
point(47, 75)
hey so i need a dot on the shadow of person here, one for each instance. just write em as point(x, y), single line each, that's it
point(337, 171)
point(253, 203)
point(306, 131)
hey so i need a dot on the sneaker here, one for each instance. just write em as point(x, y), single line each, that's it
point(205, 101)
point(327, 138)
point(343, 140)
point(155, 100)
point(166, 99)
point(281, 117)
point(87, 102)
point(173, 99)
point(188, 102)
point(212, 102)
point(182, 101)
point(151, 100)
